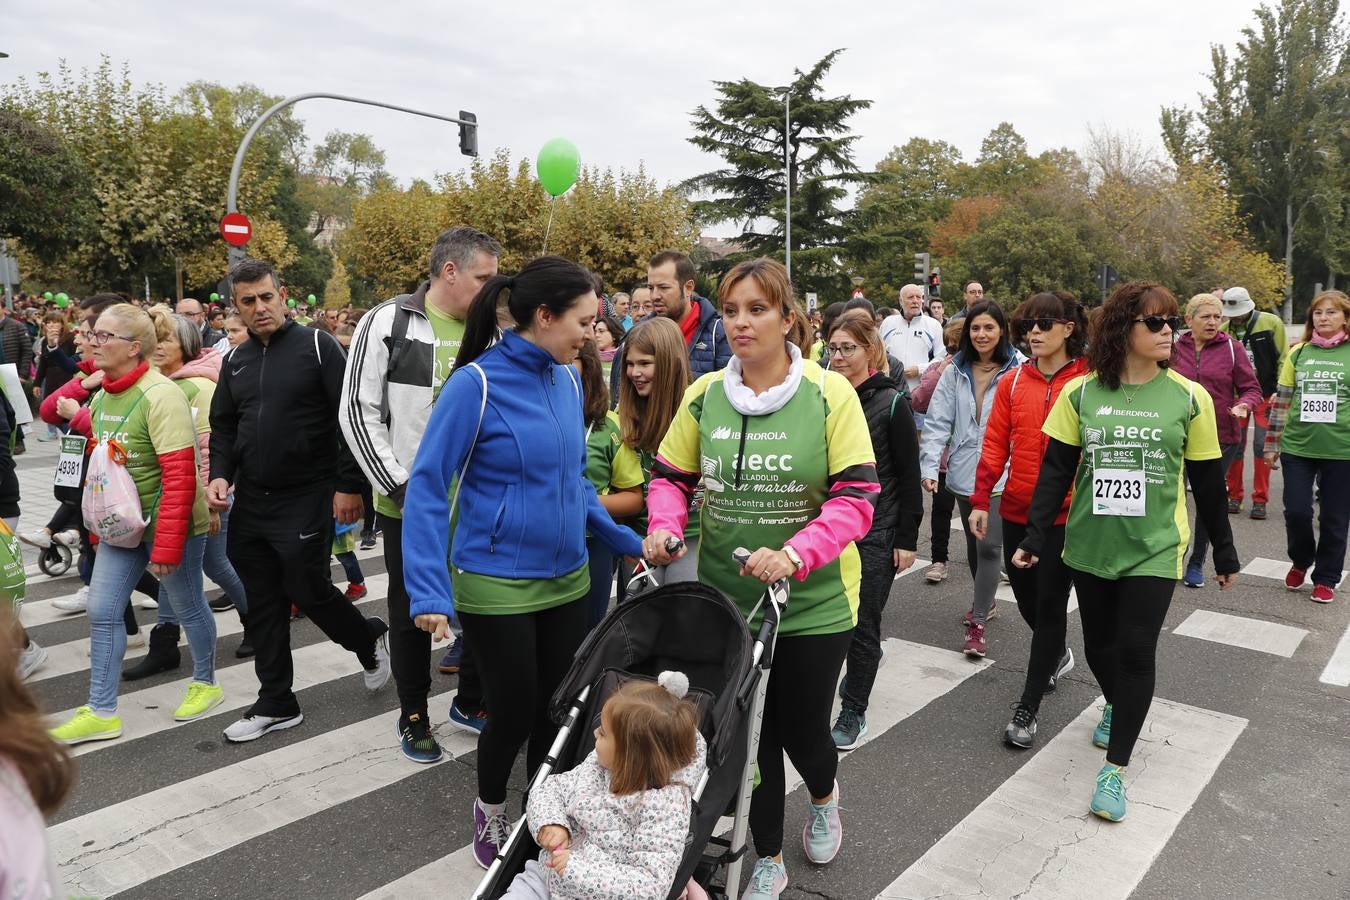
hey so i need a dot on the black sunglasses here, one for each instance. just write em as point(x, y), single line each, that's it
point(1155, 323)
point(1044, 323)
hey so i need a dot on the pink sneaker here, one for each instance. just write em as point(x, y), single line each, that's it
point(974, 646)
point(1323, 594)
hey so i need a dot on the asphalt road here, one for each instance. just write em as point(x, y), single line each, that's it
point(1236, 791)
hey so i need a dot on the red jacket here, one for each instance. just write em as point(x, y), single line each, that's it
point(1021, 405)
point(75, 390)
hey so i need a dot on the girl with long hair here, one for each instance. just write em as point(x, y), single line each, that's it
point(507, 437)
point(1055, 331)
point(955, 422)
point(1122, 436)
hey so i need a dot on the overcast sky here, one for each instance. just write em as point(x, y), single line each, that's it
point(620, 78)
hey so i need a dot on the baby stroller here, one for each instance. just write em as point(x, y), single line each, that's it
point(693, 628)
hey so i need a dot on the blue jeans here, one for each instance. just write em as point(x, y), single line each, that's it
point(1326, 551)
point(352, 566)
point(216, 566)
point(116, 571)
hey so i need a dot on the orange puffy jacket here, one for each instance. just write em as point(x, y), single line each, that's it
point(1021, 405)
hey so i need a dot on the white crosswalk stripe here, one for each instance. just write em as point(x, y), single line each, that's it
point(1240, 631)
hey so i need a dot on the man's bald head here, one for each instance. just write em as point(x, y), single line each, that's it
point(192, 309)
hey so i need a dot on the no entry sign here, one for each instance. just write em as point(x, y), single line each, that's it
point(236, 229)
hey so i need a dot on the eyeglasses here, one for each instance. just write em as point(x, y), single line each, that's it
point(99, 338)
point(845, 351)
point(1044, 323)
point(1155, 323)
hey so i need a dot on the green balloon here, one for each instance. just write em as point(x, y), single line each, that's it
point(214, 297)
point(558, 166)
point(46, 295)
point(62, 301)
point(291, 303)
point(311, 298)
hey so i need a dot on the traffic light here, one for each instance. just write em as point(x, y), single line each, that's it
point(468, 133)
point(921, 268)
point(935, 282)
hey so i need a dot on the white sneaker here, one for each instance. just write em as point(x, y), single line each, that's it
point(31, 659)
point(250, 728)
point(77, 602)
point(143, 602)
point(38, 537)
point(378, 677)
point(70, 537)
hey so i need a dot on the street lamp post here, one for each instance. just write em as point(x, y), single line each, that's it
point(464, 120)
point(786, 91)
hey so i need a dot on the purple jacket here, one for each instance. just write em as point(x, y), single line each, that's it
point(1224, 370)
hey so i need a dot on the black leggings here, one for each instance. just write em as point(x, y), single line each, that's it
point(1042, 594)
point(796, 720)
point(522, 659)
point(1121, 622)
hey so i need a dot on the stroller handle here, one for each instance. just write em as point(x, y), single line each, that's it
point(645, 571)
point(741, 556)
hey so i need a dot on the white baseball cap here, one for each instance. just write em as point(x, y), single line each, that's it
point(1237, 302)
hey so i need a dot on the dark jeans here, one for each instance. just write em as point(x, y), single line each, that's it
point(1200, 546)
point(523, 658)
point(1121, 622)
point(278, 568)
point(368, 499)
point(796, 721)
point(352, 567)
point(410, 646)
point(1331, 478)
point(864, 651)
point(944, 501)
point(1042, 594)
point(601, 563)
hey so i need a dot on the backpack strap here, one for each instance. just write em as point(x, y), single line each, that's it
point(482, 410)
point(398, 333)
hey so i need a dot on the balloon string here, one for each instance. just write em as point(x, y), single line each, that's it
point(553, 201)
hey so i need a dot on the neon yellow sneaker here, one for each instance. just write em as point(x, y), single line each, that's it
point(201, 698)
point(85, 726)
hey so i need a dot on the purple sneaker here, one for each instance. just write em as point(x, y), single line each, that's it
point(490, 833)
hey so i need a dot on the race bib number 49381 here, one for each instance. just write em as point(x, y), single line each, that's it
point(1317, 402)
point(70, 466)
point(1118, 482)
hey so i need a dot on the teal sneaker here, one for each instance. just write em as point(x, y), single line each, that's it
point(1108, 801)
point(824, 833)
point(766, 881)
point(1101, 735)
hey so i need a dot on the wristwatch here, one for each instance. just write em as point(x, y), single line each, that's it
point(793, 555)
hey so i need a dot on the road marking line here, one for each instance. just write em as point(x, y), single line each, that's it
point(1337, 671)
point(1005, 592)
point(455, 875)
point(1239, 631)
point(1272, 568)
point(130, 843)
point(73, 656)
point(1033, 836)
point(919, 563)
point(148, 712)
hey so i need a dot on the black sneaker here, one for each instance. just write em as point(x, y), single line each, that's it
point(1258, 511)
point(1234, 507)
point(1063, 668)
point(416, 739)
point(367, 540)
point(221, 603)
point(1021, 731)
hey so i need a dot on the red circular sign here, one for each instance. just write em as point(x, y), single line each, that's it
point(236, 229)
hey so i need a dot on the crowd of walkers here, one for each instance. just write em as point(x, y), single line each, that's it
point(524, 442)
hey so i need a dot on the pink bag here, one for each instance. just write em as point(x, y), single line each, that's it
point(111, 502)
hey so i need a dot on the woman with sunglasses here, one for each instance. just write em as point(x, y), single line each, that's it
point(1219, 364)
point(956, 419)
point(1310, 433)
point(1055, 330)
point(1121, 436)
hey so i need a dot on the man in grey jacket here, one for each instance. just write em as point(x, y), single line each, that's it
point(402, 352)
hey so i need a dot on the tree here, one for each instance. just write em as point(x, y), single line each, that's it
point(747, 131)
point(46, 200)
point(337, 293)
point(1274, 124)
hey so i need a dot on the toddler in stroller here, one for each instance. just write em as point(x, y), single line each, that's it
point(616, 825)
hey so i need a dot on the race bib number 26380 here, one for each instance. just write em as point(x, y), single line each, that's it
point(1119, 487)
point(1317, 402)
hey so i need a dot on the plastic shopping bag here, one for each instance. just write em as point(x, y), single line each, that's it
point(13, 583)
point(111, 503)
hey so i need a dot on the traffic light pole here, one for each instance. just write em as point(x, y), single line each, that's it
point(466, 121)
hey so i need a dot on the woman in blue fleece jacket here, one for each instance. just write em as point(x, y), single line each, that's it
point(518, 552)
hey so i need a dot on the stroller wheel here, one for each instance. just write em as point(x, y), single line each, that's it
point(55, 560)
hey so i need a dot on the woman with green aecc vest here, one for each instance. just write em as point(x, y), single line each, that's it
point(785, 457)
point(1310, 434)
point(150, 418)
point(1121, 436)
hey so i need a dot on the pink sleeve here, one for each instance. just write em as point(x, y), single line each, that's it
point(667, 507)
point(927, 383)
point(73, 389)
point(845, 517)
